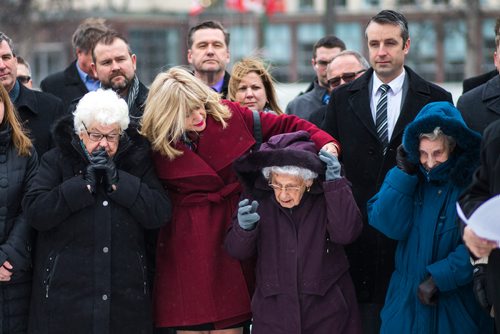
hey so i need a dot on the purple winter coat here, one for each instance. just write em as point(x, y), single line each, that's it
point(303, 285)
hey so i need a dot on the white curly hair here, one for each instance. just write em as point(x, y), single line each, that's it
point(103, 107)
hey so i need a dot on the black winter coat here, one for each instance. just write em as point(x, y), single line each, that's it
point(481, 106)
point(486, 184)
point(349, 120)
point(16, 175)
point(66, 85)
point(38, 112)
point(90, 271)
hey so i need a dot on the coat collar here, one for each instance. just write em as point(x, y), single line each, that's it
point(417, 96)
point(27, 100)
point(217, 149)
point(491, 94)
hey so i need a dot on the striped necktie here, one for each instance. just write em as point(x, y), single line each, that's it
point(381, 117)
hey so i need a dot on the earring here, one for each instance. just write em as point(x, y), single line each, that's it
point(308, 188)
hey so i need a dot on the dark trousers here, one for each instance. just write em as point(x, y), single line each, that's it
point(370, 317)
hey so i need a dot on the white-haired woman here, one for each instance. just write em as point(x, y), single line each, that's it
point(196, 138)
point(300, 217)
point(93, 198)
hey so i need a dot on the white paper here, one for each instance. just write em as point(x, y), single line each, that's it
point(485, 221)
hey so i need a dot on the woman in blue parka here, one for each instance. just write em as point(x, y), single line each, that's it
point(430, 290)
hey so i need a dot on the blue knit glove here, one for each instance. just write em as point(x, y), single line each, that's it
point(332, 165)
point(247, 214)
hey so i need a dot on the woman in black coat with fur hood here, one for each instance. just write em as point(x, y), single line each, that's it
point(93, 198)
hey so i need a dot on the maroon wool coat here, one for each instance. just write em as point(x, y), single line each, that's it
point(196, 280)
point(303, 284)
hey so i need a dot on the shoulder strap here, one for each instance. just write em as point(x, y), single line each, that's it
point(257, 130)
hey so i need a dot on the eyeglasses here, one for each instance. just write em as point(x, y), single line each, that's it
point(97, 136)
point(24, 78)
point(347, 77)
point(287, 189)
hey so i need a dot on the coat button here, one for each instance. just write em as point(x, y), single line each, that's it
point(4, 182)
point(104, 297)
point(105, 203)
point(105, 250)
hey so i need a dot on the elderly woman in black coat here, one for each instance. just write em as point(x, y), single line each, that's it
point(93, 198)
point(18, 163)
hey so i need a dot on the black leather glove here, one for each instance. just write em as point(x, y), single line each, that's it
point(91, 175)
point(479, 286)
point(428, 292)
point(105, 164)
point(110, 174)
point(403, 163)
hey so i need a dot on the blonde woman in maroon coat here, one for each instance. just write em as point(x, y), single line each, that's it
point(196, 137)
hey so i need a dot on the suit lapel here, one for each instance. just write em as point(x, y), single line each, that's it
point(491, 95)
point(359, 101)
point(417, 96)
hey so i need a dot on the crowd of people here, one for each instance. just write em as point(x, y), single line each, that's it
point(196, 205)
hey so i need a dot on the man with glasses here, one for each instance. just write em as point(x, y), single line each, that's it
point(323, 52)
point(368, 117)
point(344, 68)
point(38, 111)
point(24, 72)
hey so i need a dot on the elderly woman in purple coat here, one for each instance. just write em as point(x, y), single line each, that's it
point(295, 218)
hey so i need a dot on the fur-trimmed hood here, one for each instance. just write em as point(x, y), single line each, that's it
point(449, 119)
point(289, 149)
point(131, 142)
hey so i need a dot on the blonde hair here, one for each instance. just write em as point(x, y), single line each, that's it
point(172, 96)
point(19, 138)
point(254, 65)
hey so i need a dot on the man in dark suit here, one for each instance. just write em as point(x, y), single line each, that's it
point(368, 151)
point(481, 105)
point(471, 83)
point(208, 54)
point(37, 110)
point(114, 64)
point(77, 79)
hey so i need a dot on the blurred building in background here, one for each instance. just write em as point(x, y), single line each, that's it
point(450, 39)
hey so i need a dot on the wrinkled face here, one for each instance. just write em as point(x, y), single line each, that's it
point(386, 50)
point(196, 120)
point(323, 57)
point(342, 70)
point(209, 52)
point(8, 66)
point(288, 189)
point(433, 152)
point(109, 141)
point(114, 66)
point(251, 92)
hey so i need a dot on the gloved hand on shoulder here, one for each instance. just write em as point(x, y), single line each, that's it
point(332, 165)
point(247, 214)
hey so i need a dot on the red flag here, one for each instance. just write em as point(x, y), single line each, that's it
point(196, 8)
point(237, 5)
point(275, 6)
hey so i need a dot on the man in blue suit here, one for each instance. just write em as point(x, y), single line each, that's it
point(367, 154)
